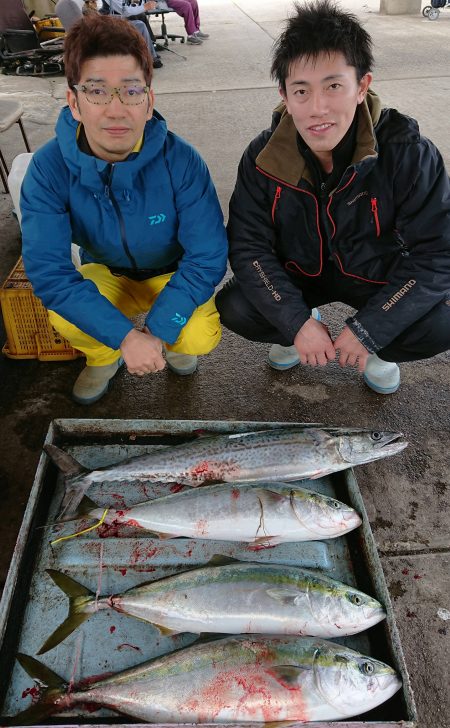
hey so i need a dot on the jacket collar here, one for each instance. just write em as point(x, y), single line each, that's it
point(90, 168)
point(281, 157)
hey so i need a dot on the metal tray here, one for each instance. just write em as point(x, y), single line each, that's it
point(111, 559)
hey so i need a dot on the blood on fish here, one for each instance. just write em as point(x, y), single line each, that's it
point(255, 699)
point(34, 692)
point(235, 493)
point(133, 522)
point(109, 530)
point(123, 571)
point(260, 546)
point(126, 645)
point(405, 571)
point(418, 576)
point(140, 554)
point(176, 487)
point(201, 527)
point(112, 629)
point(201, 468)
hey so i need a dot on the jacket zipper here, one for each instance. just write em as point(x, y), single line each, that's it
point(110, 195)
point(290, 264)
point(275, 202)
point(373, 202)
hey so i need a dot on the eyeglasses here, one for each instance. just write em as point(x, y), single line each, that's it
point(102, 95)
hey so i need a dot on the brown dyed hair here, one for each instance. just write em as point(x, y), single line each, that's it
point(104, 35)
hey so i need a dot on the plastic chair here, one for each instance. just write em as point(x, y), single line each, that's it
point(10, 113)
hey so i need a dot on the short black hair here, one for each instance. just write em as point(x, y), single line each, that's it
point(321, 27)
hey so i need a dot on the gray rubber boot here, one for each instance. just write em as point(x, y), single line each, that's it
point(92, 383)
point(286, 357)
point(381, 376)
point(181, 364)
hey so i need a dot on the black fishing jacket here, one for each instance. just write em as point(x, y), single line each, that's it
point(385, 227)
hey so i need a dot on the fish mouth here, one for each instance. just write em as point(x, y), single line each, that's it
point(390, 442)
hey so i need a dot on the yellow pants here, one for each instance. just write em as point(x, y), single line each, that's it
point(200, 335)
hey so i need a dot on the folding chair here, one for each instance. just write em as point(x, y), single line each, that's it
point(21, 52)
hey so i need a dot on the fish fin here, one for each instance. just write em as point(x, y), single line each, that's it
point(263, 542)
point(166, 631)
point(269, 497)
point(68, 585)
point(64, 462)
point(72, 499)
point(52, 686)
point(221, 560)
point(287, 596)
point(79, 598)
point(164, 536)
point(288, 674)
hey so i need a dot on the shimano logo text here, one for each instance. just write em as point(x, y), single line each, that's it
point(361, 194)
point(397, 296)
point(266, 281)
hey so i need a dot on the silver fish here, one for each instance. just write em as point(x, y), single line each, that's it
point(264, 514)
point(290, 453)
point(236, 679)
point(236, 598)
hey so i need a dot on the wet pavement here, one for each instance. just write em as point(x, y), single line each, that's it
point(218, 99)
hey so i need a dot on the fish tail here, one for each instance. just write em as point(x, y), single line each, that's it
point(63, 461)
point(52, 687)
point(79, 600)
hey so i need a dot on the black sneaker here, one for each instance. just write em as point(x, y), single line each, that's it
point(157, 63)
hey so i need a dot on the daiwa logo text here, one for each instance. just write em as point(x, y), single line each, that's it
point(156, 219)
point(397, 296)
point(179, 319)
point(266, 281)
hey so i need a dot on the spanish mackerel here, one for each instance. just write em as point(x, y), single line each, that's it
point(236, 598)
point(290, 453)
point(236, 679)
point(264, 514)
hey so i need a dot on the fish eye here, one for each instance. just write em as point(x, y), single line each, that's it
point(356, 599)
point(367, 668)
point(335, 504)
point(376, 436)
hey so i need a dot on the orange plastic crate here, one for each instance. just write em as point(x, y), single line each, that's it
point(29, 334)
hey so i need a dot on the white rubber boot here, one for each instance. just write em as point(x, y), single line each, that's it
point(181, 364)
point(93, 382)
point(381, 376)
point(286, 357)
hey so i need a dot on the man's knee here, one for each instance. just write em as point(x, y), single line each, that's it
point(201, 334)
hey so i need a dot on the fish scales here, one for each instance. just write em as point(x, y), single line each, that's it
point(235, 598)
point(286, 453)
point(236, 679)
point(265, 513)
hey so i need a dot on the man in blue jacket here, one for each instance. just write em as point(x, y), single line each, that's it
point(341, 200)
point(141, 205)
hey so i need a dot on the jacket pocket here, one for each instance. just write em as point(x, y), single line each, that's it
point(275, 202)
point(374, 204)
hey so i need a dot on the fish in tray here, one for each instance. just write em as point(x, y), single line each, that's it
point(290, 453)
point(236, 679)
point(233, 598)
point(263, 514)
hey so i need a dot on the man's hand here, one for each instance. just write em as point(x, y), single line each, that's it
point(314, 344)
point(352, 352)
point(150, 5)
point(142, 352)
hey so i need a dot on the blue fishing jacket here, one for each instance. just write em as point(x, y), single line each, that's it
point(156, 210)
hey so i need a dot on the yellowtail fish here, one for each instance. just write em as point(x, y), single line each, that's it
point(235, 598)
point(237, 679)
point(263, 514)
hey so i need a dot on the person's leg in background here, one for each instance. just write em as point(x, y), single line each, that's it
point(141, 27)
point(189, 11)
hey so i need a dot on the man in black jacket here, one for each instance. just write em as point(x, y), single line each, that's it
point(340, 200)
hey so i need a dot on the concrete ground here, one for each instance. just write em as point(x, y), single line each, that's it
point(218, 99)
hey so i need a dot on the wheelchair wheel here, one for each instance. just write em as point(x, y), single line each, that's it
point(426, 10)
point(433, 14)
